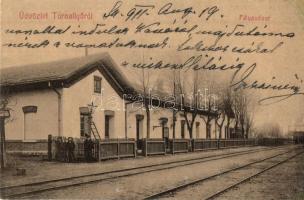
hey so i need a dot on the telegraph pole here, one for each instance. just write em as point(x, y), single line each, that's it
point(2, 144)
point(5, 113)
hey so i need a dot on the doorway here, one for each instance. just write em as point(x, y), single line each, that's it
point(85, 122)
point(165, 130)
point(107, 126)
point(139, 131)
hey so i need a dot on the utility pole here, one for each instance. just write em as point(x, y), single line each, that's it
point(3, 115)
point(2, 143)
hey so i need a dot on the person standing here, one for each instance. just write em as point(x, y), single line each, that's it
point(88, 147)
point(70, 149)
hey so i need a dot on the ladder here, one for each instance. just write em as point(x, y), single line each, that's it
point(94, 131)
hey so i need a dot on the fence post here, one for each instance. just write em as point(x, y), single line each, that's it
point(193, 145)
point(50, 147)
point(134, 149)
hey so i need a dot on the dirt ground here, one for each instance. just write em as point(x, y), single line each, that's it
point(38, 169)
point(282, 182)
point(143, 185)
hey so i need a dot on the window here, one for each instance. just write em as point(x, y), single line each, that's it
point(31, 126)
point(97, 84)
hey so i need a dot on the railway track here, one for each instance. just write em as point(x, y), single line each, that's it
point(56, 184)
point(174, 191)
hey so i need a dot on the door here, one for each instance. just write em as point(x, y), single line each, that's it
point(85, 125)
point(139, 132)
point(107, 126)
point(183, 129)
point(166, 136)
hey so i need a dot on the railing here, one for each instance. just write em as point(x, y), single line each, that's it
point(273, 141)
point(80, 152)
point(59, 149)
point(228, 143)
point(117, 148)
point(96, 150)
point(154, 147)
point(179, 145)
point(203, 144)
point(207, 144)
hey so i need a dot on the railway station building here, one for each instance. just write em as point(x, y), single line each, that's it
point(72, 97)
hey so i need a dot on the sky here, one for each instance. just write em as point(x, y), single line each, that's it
point(285, 63)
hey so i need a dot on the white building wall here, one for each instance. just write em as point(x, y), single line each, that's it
point(42, 123)
point(155, 126)
point(80, 95)
point(196, 134)
point(156, 132)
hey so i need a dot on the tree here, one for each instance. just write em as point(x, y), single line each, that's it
point(146, 98)
point(243, 108)
point(248, 123)
point(227, 106)
point(224, 109)
point(209, 101)
point(240, 110)
point(190, 101)
point(175, 95)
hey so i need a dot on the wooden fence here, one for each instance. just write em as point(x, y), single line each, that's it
point(207, 144)
point(228, 143)
point(154, 146)
point(273, 141)
point(179, 146)
point(100, 150)
point(120, 148)
point(204, 144)
point(37, 147)
point(117, 148)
